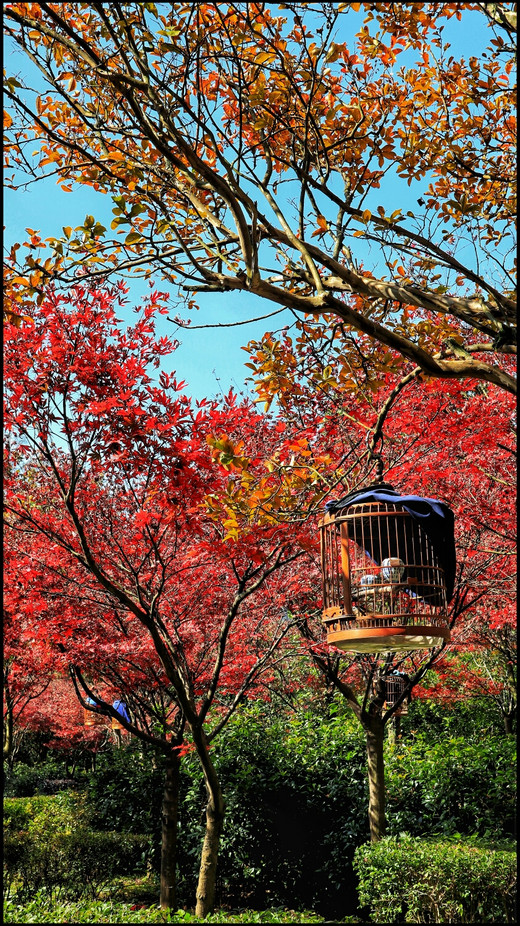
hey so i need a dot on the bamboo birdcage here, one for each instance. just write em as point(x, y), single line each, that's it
point(384, 588)
point(394, 686)
point(92, 718)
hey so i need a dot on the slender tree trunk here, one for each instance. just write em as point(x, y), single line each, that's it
point(394, 729)
point(169, 819)
point(376, 778)
point(9, 738)
point(508, 724)
point(210, 847)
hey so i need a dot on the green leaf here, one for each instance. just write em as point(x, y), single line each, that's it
point(133, 238)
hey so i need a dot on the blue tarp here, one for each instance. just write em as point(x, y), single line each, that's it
point(122, 710)
point(92, 703)
point(434, 517)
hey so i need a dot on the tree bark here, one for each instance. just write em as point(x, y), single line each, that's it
point(169, 820)
point(394, 729)
point(9, 739)
point(376, 778)
point(210, 847)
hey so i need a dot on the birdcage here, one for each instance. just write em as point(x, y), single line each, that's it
point(388, 567)
point(394, 686)
point(92, 718)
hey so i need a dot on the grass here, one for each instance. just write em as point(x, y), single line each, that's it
point(134, 900)
point(42, 910)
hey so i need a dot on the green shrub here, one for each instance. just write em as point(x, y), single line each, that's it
point(473, 718)
point(451, 786)
point(295, 791)
point(45, 813)
point(26, 780)
point(49, 844)
point(69, 865)
point(296, 802)
point(18, 811)
point(407, 880)
point(125, 790)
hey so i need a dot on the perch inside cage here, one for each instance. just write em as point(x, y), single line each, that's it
point(388, 567)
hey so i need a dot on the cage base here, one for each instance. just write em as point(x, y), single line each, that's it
point(388, 639)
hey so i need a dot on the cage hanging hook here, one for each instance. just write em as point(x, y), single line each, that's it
point(376, 455)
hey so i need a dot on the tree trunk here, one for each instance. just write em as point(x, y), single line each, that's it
point(394, 729)
point(169, 820)
point(209, 857)
point(508, 724)
point(376, 778)
point(8, 739)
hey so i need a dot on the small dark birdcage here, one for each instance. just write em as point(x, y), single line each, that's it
point(92, 718)
point(394, 686)
point(388, 567)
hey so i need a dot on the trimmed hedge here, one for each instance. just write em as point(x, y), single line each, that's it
point(408, 880)
point(49, 844)
point(71, 865)
point(59, 812)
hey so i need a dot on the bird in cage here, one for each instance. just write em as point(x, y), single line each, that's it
point(392, 569)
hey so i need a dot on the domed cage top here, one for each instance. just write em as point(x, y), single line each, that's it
point(384, 571)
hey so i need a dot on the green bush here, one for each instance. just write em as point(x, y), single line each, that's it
point(49, 844)
point(407, 880)
point(27, 780)
point(473, 718)
point(296, 802)
point(45, 813)
point(125, 791)
point(451, 786)
point(18, 811)
point(69, 865)
point(295, 791)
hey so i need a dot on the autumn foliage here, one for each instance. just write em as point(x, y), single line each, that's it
point(162, 551)
point(350, 163)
